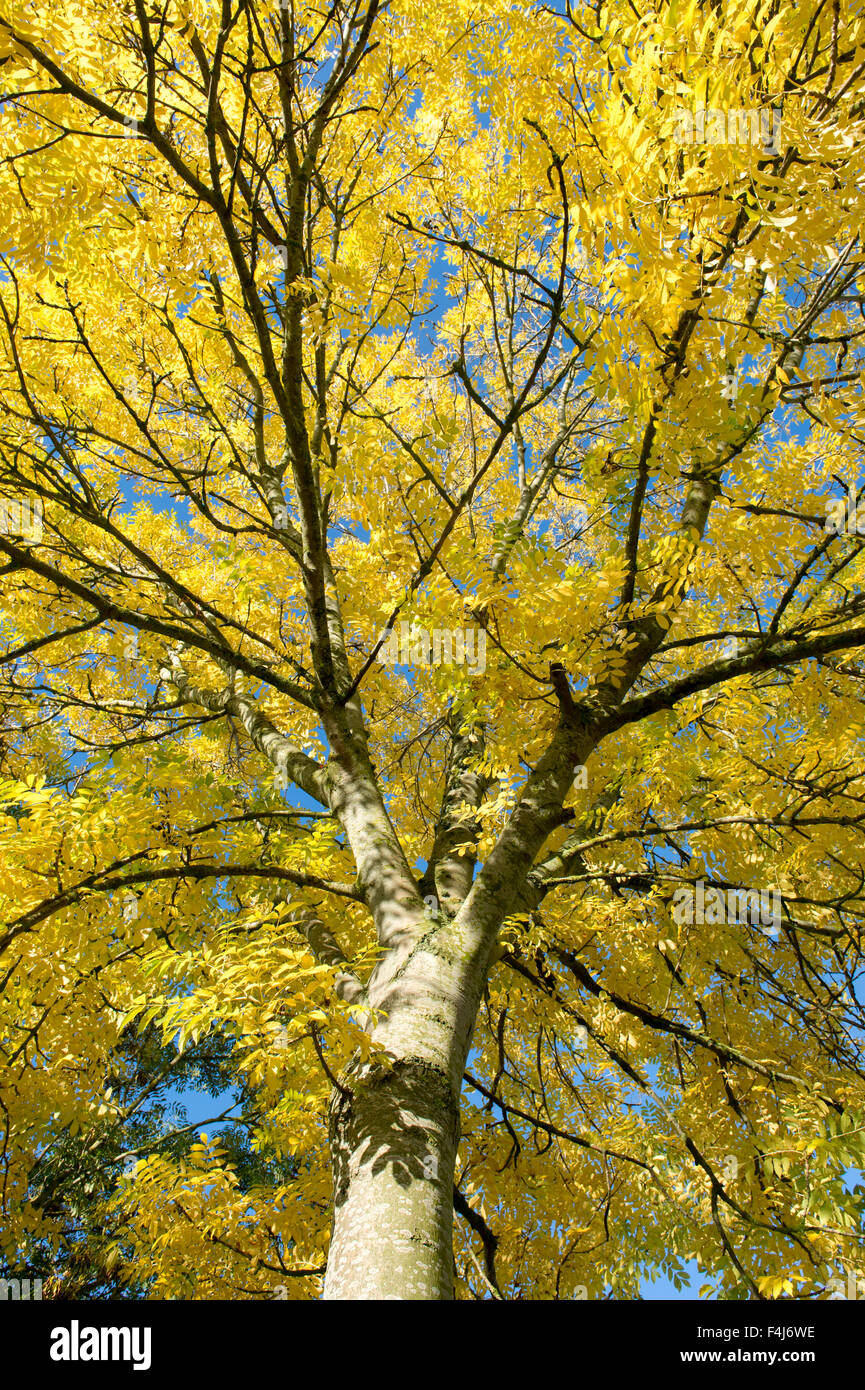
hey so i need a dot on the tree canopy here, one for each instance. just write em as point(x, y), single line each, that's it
point(431, 650)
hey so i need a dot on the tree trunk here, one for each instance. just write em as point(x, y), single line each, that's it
point(394, 1129)
point(393, 1140)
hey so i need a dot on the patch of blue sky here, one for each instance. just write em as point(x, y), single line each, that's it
point(682, 1285)
point(200, 1107)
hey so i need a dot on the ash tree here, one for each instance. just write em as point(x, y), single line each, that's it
point(431, 645)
